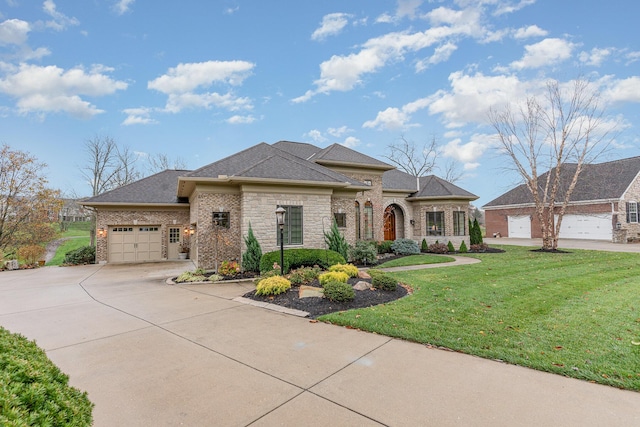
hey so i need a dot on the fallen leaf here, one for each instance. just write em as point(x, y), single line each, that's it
point(559, 365)
point(558, 347)
point(635, 342)
point(313, 321)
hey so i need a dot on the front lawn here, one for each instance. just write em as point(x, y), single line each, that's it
point(415, 260)
point(575, 314)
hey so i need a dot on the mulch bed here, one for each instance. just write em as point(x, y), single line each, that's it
point(319, 306)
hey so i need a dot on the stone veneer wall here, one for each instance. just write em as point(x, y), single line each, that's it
point(203, 246)
point(374, 196)
point(420, 215)
point(632, 195)
point(346, 205)
point(259, 206)
point(165, 218)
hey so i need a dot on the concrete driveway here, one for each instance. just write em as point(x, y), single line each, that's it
point(152, 354)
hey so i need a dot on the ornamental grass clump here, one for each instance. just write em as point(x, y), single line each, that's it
point(338, 291)
point(274, 285)
point(189, 277)
point(349, 269)
point(333, 276)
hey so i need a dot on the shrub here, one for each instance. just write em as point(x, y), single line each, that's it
point(188, 277)
point(350, 269)
point(338, 291)
point(424, 247)
point(229, 268)
point(304, 275)
point(450, 247)
point(333, 276)
point(251, 257)
point(480, 247)
point(405, 247)
point(438, 248)
point(33, 391)
point(83, 255)
point(384, 282)
point(31, 253)
point(463, 248)
point(384, 247)
point(296, 258)
point(475, 233)
point(273, 286)
point(336, 241)
point(364, 252)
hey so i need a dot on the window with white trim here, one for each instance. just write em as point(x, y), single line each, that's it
point(632, 211)
point(292, 225)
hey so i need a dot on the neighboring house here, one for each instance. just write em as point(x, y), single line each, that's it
point(71, 211)
point(603, 206)
point(211, 208)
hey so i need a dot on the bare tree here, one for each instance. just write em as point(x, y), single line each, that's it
point(27, 206)
point(557, 135)
point(159, 162)
point(452, 172)
point(416, 161)
point(108, 166)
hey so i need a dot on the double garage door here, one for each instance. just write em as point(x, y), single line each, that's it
point(588, 227)
point(135, 243)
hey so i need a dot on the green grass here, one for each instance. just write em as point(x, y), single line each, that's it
point(576, 314)
point(77, 229)
point(415, 260)
point(67, 246)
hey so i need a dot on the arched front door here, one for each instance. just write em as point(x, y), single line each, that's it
point(390, 223)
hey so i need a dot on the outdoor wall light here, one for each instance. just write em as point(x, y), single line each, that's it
point(192, 229)
point(102, 232)
point(412, 221)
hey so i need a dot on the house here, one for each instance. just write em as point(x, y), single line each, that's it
point(603, 206)
point(211, 209)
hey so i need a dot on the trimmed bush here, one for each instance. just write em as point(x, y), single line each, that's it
point(33, 391)
point(450, 247)
point(296, 258)
point(338, 291)
point(274, 285)
point(384, 282)
point(424, 247)
point(350, 269)
point(438, 248)
point(229, 268)
point(364, 252)
point(336, 241)
point(304, 275)
point(83, 255)
point(463, 248)
point(251, 257)
point(333, 276)
point(384, 247)
point(405, 247)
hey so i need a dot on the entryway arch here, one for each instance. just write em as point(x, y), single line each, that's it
point(393, 222)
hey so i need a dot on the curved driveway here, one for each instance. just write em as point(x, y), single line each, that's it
point(152, 354)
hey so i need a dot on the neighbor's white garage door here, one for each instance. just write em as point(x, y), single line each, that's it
point(519, 226)
point(135, 243)
point(594, 227)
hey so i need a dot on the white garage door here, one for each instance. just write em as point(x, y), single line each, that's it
point(594, 227)
point(519, 226)
point(135, 243)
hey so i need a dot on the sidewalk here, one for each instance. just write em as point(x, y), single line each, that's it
point(153, 354)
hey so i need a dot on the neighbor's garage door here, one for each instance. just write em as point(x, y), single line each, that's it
point(135, 243)
point(594, 227)
point(519, 226)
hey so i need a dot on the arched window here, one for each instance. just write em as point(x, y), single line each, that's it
point(368, 221)
point(357, 209)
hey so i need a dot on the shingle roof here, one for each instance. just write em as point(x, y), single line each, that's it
point(298, 149)
point(264, 161)
point(598, 181)
point(431, 187)
point(157, 189)
point(397, 180)
point(339, 154)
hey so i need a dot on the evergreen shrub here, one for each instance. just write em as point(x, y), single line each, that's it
point(405, 247)
point(338, 291)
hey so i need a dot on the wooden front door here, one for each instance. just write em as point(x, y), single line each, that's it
point(389, 223)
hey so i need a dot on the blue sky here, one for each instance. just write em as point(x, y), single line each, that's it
point(200, 80)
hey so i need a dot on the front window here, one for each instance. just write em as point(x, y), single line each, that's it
point(341, 219)
point(458, 223)
point(221, 219)
point(357, 207)
point(632, 212)
point(435, 223)
point(292, 231)
point(368, 221)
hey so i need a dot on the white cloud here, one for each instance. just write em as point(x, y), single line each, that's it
point(465, 153)
point(441, 54)
point(339, 132)
point(184, 85)
point(397, 118)
point(528, 32)
point(52, 89)
point(123, 6)
point(331, 25)
point(316, 135)
point(60, 20)
point(14, 31)
point(626, 90)
point(238, 120)
point(549, 51)
point(595, 57)
point(632, 57)
point(351, 142)
point(138, 116)
point(507, 6)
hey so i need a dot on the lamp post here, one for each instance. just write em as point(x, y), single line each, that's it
point(280, 212)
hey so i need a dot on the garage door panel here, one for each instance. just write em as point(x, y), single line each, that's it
point(131, 244)
point(519, 226)
point(590, 227)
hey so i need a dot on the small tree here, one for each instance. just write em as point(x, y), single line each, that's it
point(251, 257)
point(336, 241)
point(450, 246)
point(475, 233)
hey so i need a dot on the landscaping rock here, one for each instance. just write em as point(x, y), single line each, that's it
point(362, 286)
point(310, 292)
point(363, 275)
